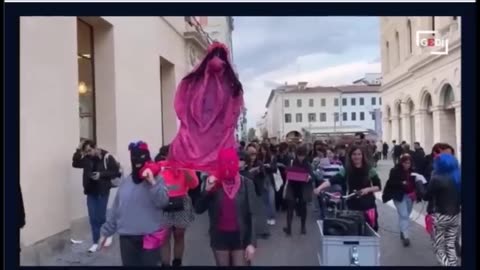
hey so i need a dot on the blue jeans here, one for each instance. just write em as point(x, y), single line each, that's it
point(404, 209)
point(97, 213)
point(268, 198)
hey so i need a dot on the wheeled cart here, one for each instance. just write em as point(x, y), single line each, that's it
point(349, 250)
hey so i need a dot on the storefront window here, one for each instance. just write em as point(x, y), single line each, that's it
point(86, 83)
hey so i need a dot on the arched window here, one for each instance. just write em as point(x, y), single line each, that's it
point(397, 48)
point(387, 53)
point(409, 33)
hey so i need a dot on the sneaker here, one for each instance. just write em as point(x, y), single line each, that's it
point(406, 242)
point(108, 242)
point(93, 248)
point(271, 222)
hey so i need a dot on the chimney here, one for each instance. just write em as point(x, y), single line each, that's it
point(302, 85)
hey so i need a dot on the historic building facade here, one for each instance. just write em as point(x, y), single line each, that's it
point(110, 79)
point(421, 87)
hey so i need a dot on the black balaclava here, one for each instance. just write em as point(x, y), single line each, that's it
point(139, 155)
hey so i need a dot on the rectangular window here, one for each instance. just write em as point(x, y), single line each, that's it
point(354, 116)
point(380, 101)
point(310, 102)
point(336, 117)
point(362, 116)
point(323, 102)
point(353, 101)
point(299, 103)
point(344, 116)
point(288, 118)
point(312, 117)
point(362, 101)
point(323, 117)
point(298, 117)
point(286, 103)
point(374, 101)
point(86, 84)
point(344, 102)
point(335, 102)
point(373, 116)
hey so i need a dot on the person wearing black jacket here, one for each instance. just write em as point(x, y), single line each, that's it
point(21, 211)
point(418, 157)
point(299, 192)
point(99, 169)
point(268, 194)
point(385, 151)
point(397, 151)
point(401, 188)
point(256, 170)
point(444, 193)
point(283, 160)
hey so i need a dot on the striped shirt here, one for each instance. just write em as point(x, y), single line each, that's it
point(330, 170)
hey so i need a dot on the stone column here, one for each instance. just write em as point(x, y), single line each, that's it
point(458, 128)
point(405, 122)
point(395, 128)
point(387, 130)
point(420, 127)
point(438, 116)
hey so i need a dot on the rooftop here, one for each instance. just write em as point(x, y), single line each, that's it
point(348, 89)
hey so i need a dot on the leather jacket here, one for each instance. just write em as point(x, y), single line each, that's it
point(443, 196)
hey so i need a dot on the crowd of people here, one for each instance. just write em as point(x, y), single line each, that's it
point(157, 202)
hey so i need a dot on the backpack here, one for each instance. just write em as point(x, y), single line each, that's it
point(116, 181)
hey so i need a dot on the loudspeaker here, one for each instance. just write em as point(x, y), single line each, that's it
point(339, 227)
point(356, 216)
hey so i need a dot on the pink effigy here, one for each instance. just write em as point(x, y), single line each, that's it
point(208, 102)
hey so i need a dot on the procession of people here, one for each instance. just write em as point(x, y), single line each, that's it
point(245, 185)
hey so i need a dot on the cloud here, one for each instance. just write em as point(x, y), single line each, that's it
point(280, 40)
point(270, 51)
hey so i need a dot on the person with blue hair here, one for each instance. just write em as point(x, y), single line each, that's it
point(443, 192)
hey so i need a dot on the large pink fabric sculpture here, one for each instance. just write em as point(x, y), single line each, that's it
point(208, 103)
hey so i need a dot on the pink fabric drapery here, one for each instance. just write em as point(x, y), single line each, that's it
point(208, 103)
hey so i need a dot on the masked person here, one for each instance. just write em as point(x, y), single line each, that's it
point(179, 214)
point(99, 169)
point(137, 213)
point(229, 199)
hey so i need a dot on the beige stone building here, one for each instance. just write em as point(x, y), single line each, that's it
point(421, 88)
point(111, 79)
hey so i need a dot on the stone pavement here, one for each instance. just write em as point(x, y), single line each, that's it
point(279, 250)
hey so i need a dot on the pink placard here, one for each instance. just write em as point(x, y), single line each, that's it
point(297, 176)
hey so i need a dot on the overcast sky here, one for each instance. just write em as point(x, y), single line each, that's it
point(269, 51)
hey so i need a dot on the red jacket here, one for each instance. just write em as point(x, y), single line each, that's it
point(178, 181)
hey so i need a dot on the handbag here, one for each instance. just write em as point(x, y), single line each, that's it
point(156, 239)
point(277, 179)
point(175, 204)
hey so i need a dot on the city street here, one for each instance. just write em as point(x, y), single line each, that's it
point(298, 250)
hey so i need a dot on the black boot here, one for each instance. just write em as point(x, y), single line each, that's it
point(287, 231)
point(303, 230)
point(177, 262)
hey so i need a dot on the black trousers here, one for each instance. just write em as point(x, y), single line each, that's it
point(133, 254)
